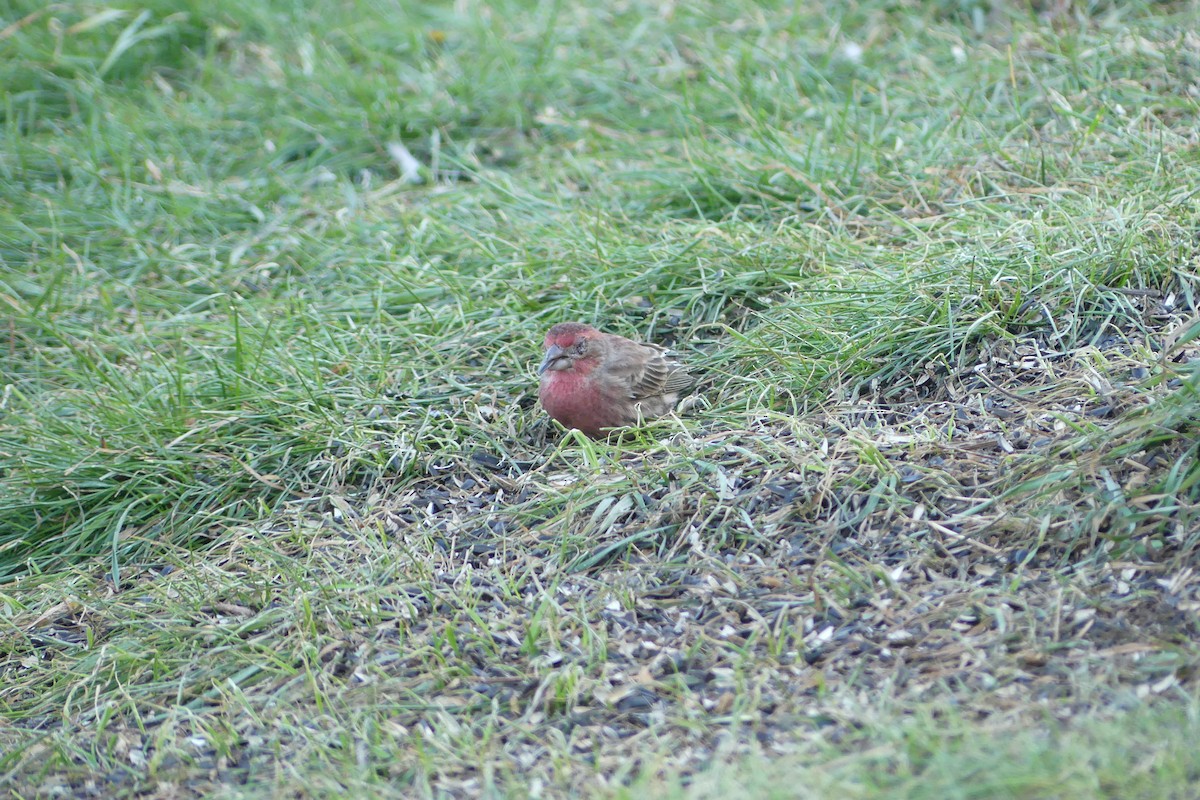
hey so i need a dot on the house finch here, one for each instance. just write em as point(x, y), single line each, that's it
point(595, 381)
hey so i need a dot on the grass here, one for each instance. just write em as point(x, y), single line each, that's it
point(279, 513)
point(941, 756)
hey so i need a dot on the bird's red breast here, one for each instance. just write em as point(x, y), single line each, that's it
point(569, 397)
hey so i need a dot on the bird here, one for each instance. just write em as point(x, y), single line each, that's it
point(597, 382)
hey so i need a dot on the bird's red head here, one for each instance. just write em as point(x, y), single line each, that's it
point(570, 346)
point(566, 334)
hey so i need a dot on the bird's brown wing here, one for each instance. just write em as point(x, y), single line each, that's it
point(657, 374)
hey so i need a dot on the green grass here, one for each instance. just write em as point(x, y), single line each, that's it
point(279, 512)
point(944, 757)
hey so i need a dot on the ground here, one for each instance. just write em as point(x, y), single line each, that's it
point(281, 515)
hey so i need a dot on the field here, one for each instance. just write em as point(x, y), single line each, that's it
point(280, 515)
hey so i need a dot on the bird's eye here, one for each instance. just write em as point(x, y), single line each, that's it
point(580, 346)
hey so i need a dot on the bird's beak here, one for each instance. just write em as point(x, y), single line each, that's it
point(553, 353)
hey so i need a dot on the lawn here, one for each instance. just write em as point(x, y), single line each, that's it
point(280, 514)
